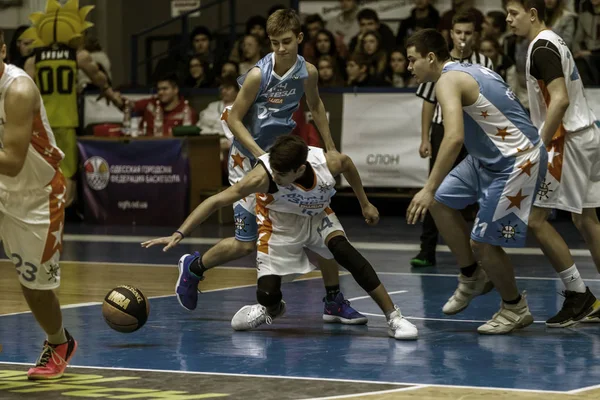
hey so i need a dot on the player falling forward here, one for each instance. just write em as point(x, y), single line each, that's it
point(32, 199)
point(504, 168)
point(294, 185)
point(270, 93)
point(560, 110)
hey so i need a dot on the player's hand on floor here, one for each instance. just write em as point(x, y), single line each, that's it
point(371, 214)
point(418, 206)
point(170, 241)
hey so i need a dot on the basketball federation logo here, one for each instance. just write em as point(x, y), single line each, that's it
point(97, 172)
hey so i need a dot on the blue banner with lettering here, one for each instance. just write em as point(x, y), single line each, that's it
point(142, 182)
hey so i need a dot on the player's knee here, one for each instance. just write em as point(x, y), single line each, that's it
point(586, 220)
point(348, 257)
point(245, 248)
point(537, 218)
point(268, 290)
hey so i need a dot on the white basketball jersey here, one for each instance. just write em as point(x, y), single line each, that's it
point(579, 115)
point(296, 199)
point(43, 156)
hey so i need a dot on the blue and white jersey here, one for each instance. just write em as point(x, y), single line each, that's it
point(270, 116)
point(497, 126)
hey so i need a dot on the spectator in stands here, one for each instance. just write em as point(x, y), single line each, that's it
point(357, 69)
point(19, 49)
point(460, 7)
point(230, 68)
point(171, 103)
point(561, 20)
point(586, 46)
point(92, 45)
point(494, 26)
point(197, 76)
point(397, 74)
point(370, 48)
point(251, 53)
point(345, 25)
point(325, 45)
point(201, 39)
point(257, 26)
point(330, 74)
point(314, 24)
point(368, 20)
point(423, 16)
point(503, 66)
point(515, 48)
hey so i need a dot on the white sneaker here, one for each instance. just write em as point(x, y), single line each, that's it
point(250, 317)
point(468, 288)
point(400, 328)
point(509, 318)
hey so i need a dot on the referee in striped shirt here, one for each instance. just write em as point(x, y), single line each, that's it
point(463, 38)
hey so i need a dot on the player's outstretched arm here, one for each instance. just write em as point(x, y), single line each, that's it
point(339, 163)
point(21, 102)
point(316, 107)
point(241, 105)
point(449, 93)
point(87, 64)
point(256, 181)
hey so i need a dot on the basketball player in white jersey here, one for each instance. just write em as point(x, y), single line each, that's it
point(32, 198)
point(294, 185)
point(559, 109)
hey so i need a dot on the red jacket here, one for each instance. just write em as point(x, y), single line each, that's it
point(171, 119)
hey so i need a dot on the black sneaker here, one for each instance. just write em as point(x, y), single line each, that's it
point(423, 260)
point(576, 307)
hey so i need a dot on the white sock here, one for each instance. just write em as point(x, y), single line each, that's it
point(572, 280)
point(59, 337)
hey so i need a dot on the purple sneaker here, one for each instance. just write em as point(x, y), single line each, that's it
point(340, 311)
point(187, 283)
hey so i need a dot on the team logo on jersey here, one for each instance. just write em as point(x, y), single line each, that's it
point(510, 94)
point(544, 190)
point(53, 270)
point(97, 172)
point(275, 100)
point(240, 224)
point(509, 232)
point(295, 77)
point(324, 187)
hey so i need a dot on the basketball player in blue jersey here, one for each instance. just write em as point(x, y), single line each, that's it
point(294, 185)
point(270, 93)
point(504, 168)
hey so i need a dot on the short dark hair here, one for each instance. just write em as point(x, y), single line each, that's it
point(312, 18)
point(498, 20)
point(254, 21)
point(367, 13)
point(288, 153)
point(201, 30)
point(539, 5)
point(229, 81)
point(359, 59)
point(463, 18)
point(171, 78)
point(429, 41)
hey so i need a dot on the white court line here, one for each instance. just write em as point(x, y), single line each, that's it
point(526, 278)
point(585, 389)
point(357, 245)
point(298, 378)
point(368, 297)
point(440, 319)
point(349, 396)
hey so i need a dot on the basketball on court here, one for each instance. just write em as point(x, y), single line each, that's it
point(125, 309)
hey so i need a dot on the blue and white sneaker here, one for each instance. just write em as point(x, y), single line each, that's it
point(187, 283)
point(340, 311)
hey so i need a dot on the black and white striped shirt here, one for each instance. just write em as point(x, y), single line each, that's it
point(426, 90)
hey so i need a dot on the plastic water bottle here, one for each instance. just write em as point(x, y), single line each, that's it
point(158, 120)
point(187, 114)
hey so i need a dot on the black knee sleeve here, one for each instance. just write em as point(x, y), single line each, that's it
point(268, 290)
point(348, 257)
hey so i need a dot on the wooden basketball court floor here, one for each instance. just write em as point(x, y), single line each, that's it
point(196, 355)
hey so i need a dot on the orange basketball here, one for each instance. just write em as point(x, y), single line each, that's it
point(125, 309)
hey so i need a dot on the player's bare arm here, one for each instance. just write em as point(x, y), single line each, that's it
point(452, 90)
point(559, 102)
point(21, 102)
point(242, 104)
point(426, 117)
point(339, 163)
point(29, 67)
point(87, 64)
point(257, 181)
point(316, 107)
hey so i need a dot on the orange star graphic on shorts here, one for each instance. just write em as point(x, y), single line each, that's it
point(515, 201)
point(502, 133)
point(526, 168)
point(524, 150)
point(485, 114)
point(238, 160)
